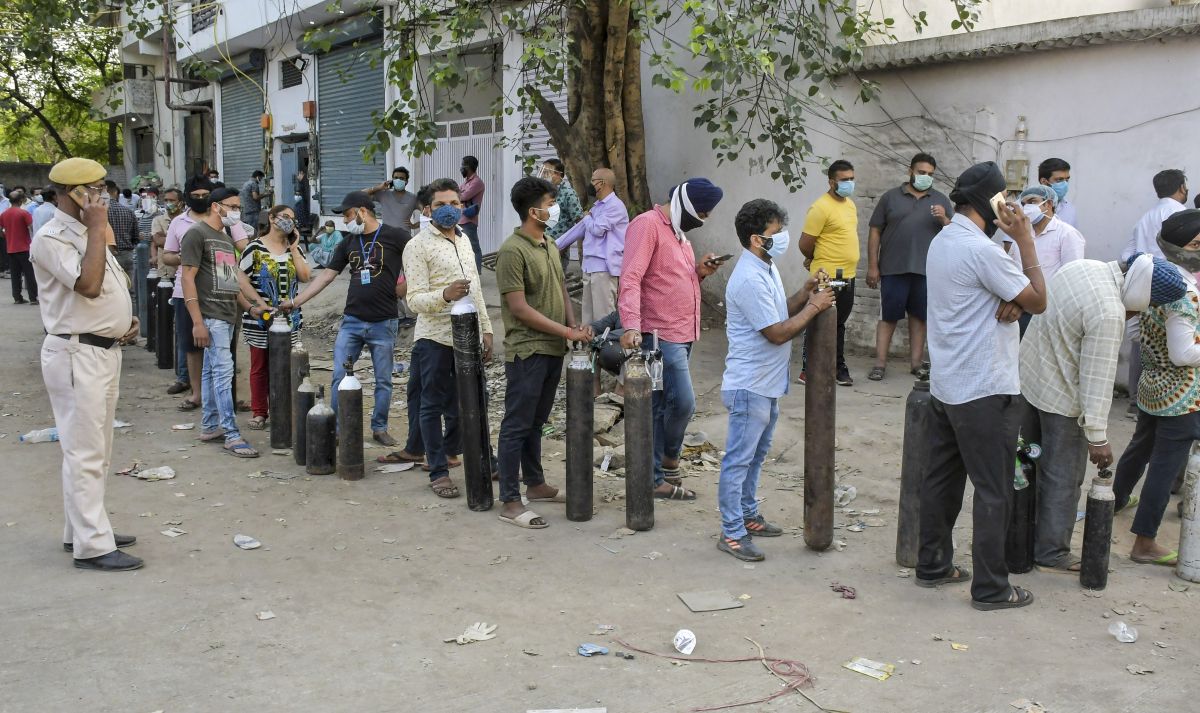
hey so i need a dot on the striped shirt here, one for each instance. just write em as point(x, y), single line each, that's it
point(1069, 353)
point(273, 278)
point(659, 285)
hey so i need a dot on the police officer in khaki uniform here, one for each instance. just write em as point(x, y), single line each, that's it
point(87, 313)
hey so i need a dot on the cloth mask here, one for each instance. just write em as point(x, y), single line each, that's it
point(149, 205)
point(1033, 211)
point(329, 230)
point(922, 183)
point(286, 225)
point(199, 205)
point(683, 215)
point(398, 184)
point(845, 189)
point(1187, 259)
point(231, 218)
point(551, 220)
point(1060, 189)
point(446, 216)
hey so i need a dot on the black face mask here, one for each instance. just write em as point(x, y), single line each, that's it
point(466, 172)
point(199, 205)
point(591, 190)
point(687, 221)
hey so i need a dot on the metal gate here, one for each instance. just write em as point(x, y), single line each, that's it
point(473, 137)
point(241, 128)
point(349, 91)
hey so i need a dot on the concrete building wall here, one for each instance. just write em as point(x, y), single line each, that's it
point(993, 14)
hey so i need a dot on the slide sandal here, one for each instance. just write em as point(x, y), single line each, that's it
point(526, 520)
point(1168, 560)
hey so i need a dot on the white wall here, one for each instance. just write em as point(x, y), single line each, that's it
point(992, 14)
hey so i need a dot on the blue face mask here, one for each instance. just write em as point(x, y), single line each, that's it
point(446, 216)
point(398, 184)
point(922, 182)
point(777, 244)
point(1060, 188)
point(845, 189)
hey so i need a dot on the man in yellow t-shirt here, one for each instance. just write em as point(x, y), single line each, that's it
point(830, 242)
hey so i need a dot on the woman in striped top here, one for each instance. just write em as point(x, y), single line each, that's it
point(275, 264)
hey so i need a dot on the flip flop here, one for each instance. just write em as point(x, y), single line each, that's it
point(525, 520)
point(445, 490)
point(1064, 568)
point(258, 423)
point(1168, 560)
point(216, 436)
point(187, 405)
point(240, 449)
point(964, 575)
point(559, 497)
point(1024, 599)
point(876, 373)
point(400, 457)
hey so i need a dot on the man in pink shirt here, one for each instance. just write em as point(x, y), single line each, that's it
point(660, 291)
point(471, 192)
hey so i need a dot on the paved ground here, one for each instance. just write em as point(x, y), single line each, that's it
point(366, 580)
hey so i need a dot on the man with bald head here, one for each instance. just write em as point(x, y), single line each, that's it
point(603, 233)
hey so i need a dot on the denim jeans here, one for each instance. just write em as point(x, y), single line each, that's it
point(437, 399)
point(1163, 443)
point(1060, 473)
point(216, 381)
point(472, 232)
point(531, 385)
point(751, 424)
point(380, 338)
point(673, 405)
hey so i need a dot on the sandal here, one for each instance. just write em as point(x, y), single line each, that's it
point(526, 520)
point(957, 575)
point(876, 373)
point(1168, 560)
point(1019, 598)
point(258, 423)
point(677, 493)
point(187, 405)
point(450, 463)
point(241, 449)
point(1071, 565)
point(673, 475)
point(211, 436)
point(444, 488)
point(400, 457)
point(1130, 503)
point(559, 497)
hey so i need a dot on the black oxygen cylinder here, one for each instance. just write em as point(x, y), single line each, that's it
point(472, 413)
point(580, 427)
point(163, 315)
point(1018, 544)
point(639, 445)
point(320, 440)
point(1097, 532)
point(917, 415)
point(350, 426)
point(279, 379)
point(301, 401)
point(151, 297)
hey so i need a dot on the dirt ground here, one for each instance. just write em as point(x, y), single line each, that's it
point(367, 579)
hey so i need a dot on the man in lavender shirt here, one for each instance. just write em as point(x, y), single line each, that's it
point(603, 233)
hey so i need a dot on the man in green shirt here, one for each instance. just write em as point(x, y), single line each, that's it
point(538, 323)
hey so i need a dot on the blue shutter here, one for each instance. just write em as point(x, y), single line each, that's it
point(241, 128)
point(349, 91)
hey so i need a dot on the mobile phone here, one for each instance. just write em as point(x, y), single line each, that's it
point(720, 259)
point(78, 194)
point(998, 203)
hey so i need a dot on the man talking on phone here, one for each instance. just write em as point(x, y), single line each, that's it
point(660, 291)
point(87, 313)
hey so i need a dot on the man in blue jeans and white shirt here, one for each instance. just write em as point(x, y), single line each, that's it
point(374, 252)
point(761, 321)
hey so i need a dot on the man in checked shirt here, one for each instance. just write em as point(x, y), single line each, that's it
point(124, 225)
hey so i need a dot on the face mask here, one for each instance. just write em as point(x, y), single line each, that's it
point(447, 216)
point(922, 183)
point(465, 171)
point(173, 206)
point(199, 205)
point(354, 226)
point(328, 229)
point(231, 218)
point(1033, 211)
point(37, 199)
point(591, 190)
point(398, 184)
point(1060, 189)
point(552, 219)
point(845, 189)
point(149, 205)
point(777, 244)
point(1187, 259)
point(285, 225)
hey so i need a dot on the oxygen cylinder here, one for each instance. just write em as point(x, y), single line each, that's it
point(302, 402)
point(917, 416)
point(320, 440)
point(639, 445)
point(580, 421)
point(163, 314)
point(1018, 545)
point(1097, 532)
point(149, 286)
point(279, 372)
point(350, 426)
point(1188, 567)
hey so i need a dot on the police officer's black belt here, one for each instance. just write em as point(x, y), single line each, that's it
point(91, 340)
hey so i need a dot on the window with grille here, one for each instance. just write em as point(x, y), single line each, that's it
point(291, 73)
point(204, 15)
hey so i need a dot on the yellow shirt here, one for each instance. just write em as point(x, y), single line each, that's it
point(431, 263)
point(834, 223)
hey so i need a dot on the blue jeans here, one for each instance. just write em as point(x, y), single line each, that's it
point(216, 381)
point(380, 337)
point(751, 424)
point(435, 399)
point(673, 405)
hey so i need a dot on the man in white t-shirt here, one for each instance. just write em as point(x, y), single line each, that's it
point(975, 294)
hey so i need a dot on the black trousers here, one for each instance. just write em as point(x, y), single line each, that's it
point(976, 440)
point(532, 383)
point(433, 401)
point(22, 270)
point(1160, 447)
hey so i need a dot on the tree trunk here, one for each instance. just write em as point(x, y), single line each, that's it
point(638, 198)
point(614, 92)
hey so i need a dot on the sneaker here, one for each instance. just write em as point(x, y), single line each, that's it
point(843, 377)
point(34, 303)
point(743, 548)
point(759, 527)
point(803, 378)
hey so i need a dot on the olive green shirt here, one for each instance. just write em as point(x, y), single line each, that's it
point(524, 265)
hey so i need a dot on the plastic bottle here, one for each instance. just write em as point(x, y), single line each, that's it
point(44, 435)
point(1123, 632)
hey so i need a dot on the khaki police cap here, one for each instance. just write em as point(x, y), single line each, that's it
point(77, 172)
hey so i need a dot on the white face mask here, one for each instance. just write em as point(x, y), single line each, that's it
point(1033, 211)
point(149, 205)
point(552, 219)
point(231, 218)
point(354, 227)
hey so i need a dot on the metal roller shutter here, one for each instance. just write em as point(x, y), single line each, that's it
point(241, 128)
point(536, 142)
point(349, 91)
